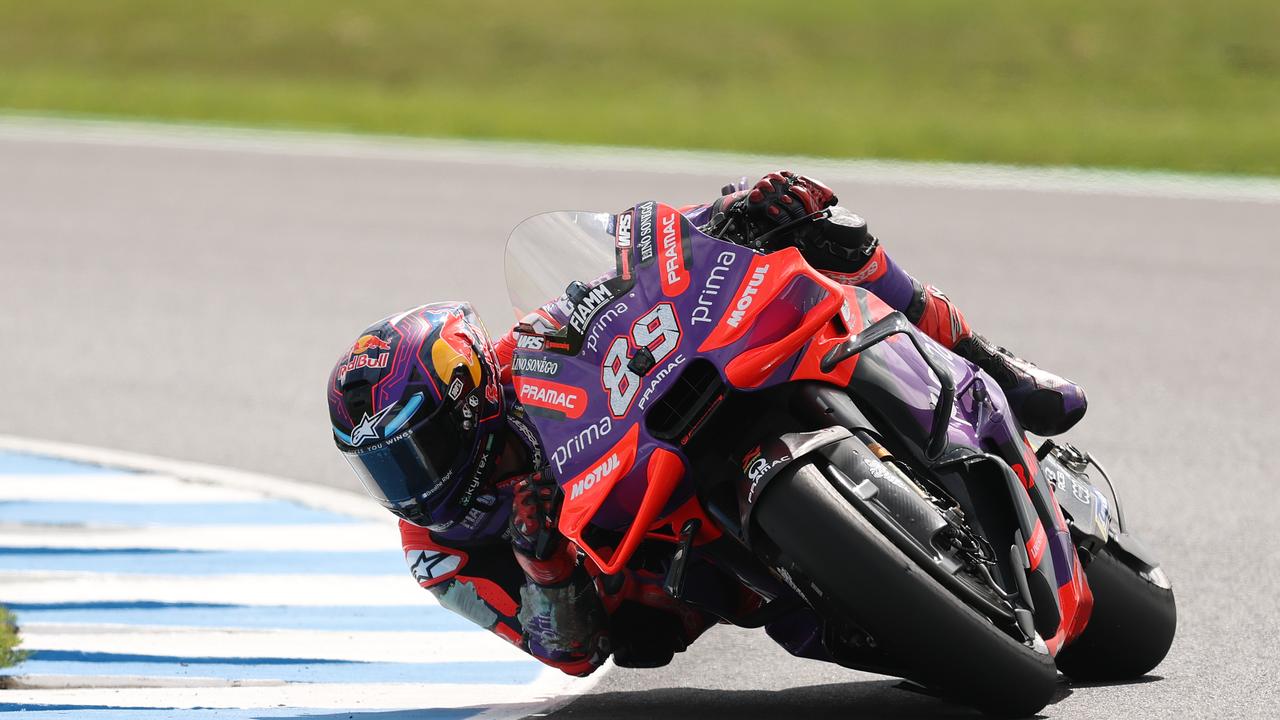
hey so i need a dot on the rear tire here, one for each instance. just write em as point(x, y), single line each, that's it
point(1131, 628)
point(944, 643)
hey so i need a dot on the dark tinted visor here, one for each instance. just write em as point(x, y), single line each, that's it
point(412, 465)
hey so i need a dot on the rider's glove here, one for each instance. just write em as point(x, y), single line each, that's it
point(783, 197)
point(540, 549)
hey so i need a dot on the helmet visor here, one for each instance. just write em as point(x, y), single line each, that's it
point(414, 466)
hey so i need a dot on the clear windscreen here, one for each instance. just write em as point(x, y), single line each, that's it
point(547, 252)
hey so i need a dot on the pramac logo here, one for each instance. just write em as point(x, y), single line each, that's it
point(547, 395)
point(674, 274)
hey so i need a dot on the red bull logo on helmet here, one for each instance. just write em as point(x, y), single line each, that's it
point(369, 342)
point(360, 357)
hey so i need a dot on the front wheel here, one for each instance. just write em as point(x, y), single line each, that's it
point(942, 641)
point(1131, 627)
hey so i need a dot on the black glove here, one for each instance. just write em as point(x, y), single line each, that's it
point(783, 197)
point(533, 508)
point(543, 553)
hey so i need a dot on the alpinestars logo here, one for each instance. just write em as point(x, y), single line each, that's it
point(428, 567)
point(603, 470)
point(367, 428)
point(745, 300)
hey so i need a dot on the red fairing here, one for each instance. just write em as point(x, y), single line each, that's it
point(1036, 545)
point(810, 365)
point(767, 278)
point(1077, 601)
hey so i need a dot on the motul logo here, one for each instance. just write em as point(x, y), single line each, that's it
point(597, 474)
point(745, 300)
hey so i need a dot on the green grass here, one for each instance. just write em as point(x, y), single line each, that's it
point(1180, 84)
point(9, 641)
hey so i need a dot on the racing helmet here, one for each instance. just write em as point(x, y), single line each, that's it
point(416, 408)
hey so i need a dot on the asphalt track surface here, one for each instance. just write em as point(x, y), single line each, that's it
point(188, 300)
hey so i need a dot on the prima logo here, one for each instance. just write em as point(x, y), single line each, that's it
point(584, 439)
point(711, 287)
point(606, 317)
point(596, 474)
point(748, 295)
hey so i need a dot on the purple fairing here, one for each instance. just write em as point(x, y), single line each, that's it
point(706, 283)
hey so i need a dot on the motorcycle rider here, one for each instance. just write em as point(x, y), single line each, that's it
point(423, 409)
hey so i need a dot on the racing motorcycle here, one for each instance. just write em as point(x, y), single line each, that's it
point(725, 415)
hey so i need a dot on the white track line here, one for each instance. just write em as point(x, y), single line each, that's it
point(399, 647)
point(364, 697)
point(552, 689)
point(351, 538)
point(28, 128)
point(123, 487)
point(316, 496)
point(20, 586)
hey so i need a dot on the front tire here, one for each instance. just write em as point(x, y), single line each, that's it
point(943, 642)
point(1131, 628)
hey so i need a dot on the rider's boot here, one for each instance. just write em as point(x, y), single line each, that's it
point(1044, 403)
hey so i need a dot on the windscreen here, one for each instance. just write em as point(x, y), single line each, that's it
point(547, 252)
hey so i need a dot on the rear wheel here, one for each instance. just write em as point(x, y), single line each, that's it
point(942, 641)
point(1131, 627)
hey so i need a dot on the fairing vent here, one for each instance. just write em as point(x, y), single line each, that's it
point(686, 402)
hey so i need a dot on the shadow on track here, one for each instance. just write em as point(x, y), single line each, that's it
point(877, 699)
point(865, 700)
